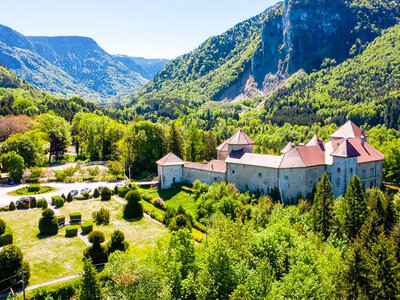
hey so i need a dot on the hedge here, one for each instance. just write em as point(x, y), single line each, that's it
point(71, 231)
point(75, 217)
point(42, 203)
point(87, 227)
point(86, 195)
point(6, 238)
point(32, 180)
point(61, 219)
point(123, 191)
point(34, 188)
point(66, 290)
point(57, 201)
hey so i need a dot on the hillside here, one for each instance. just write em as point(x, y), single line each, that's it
point(256, 56)
point(71, 65)
point(365, 89)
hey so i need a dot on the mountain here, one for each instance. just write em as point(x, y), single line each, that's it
point(256, 56)
point(71, 65)
point(146, 67)
point(365, 89)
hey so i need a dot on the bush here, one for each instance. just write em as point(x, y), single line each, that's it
point(75, 217)
point(6, 238)
point(117, 242)
point(105, 194)
point(87, 227)
point(115, 190)
point(61, 291)
point(71, 231)
point(69, 197)
point(96, 252)
point(86, 195)
point(12, 206)
point(102, 217)
point(36, 172)
point(159, 202)
point(42, 203)
point(11, 264)
point(23, 204)
point(96, 193)
point(123, 191)
point(33, 203)
point(133, 209)
point(61, 175)
point(2, 226)
point(48, 223)
point(180, 222)
point(60, 220)
point(34, 188)
point(63, 196)
point(57, 201)
point(32, 180)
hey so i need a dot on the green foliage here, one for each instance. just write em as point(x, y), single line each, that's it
point(105, 194)
point(33, 188)
point(13, 163)
point(42, 203)
point(102, 217)
point(133, 208)
point(87, 227)
point(86, 195)
point(90, 286)
point(117, 242)
point(115, 168)
point(123, 191)
point(75, 217)
point(11, 264)
point(12, 206)
point(97, 253)
point(48, 223)
point(69, 197)
point(96, 193)
point(179, 222)
point(71, 231)
point(2, 226)
point(64, 290)
point(6, 237)
point(322, 208)
point(33, 203)
point(57, 201)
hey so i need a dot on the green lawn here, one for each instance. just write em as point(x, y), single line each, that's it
point(173, 198)
point(139, 232)
point(49, 258)
point(24, 191)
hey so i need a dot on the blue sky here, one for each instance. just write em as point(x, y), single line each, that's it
point(148, 28)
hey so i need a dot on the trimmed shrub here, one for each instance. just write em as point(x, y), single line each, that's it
point(12, 263)
point(71, 231)
point(33, 203)
point(87, 227)
point(34, 188)
point(123, 191)
point(42, 203)
point(63, 196)
point(133, 209)
point(69, 197)
point(32, 180)
point(117, 242)
point(66, 290)
point(180, 222)
point(159, 202)
point(60, 220)
point(12, 206)
point(102, 217)
point(96, 193)
point(96, 252)
point(2, 226)
point(75, 217)
point(6, 238)
point(48, 223)
point(133, 186)
point(115, 190)
point(105, 194)
point(86, 195)
point(23, 204)
point(58, 201)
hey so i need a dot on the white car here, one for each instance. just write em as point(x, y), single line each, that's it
point(121, 184)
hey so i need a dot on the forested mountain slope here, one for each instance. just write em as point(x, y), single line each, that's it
point(72, 65)
point(255, 56)
point(365, 89)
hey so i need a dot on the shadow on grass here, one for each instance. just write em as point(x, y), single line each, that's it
point(130, 220)
point(42, 236)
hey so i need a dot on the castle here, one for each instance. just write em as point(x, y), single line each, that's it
point(295, 172)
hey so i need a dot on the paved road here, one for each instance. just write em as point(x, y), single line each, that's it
point(61, 188)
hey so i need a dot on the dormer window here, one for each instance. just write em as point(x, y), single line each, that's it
point(233, 172)
point(259, 174)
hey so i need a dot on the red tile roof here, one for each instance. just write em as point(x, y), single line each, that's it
point(344, 149)
point(170, 160)
point(218, 166)
point(348, 130)
point(316, 140)
point(312, 155)
point(367, 152)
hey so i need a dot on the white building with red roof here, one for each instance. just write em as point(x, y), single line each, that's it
point(294, 173)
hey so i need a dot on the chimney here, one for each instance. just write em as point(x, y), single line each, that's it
point(362, 140)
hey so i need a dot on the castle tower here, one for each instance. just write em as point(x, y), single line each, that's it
point(170, 170)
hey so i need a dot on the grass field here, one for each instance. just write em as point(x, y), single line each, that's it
point(50, 257)
point(24, 191)
point(139, 232)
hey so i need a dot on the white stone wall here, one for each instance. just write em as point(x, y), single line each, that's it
point(208, 177)
point(370, 174)
point(340, 173)
point(222, 155)
point(168, 175)
point(252, 178)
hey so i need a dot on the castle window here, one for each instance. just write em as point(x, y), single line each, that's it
point(262, 191)
point(233, 172)
point(371, 184)
point(215, 178)
point(286, 177)
point(338, 170)
point(372, 172)
point(338, 181)
point(363, 174)
point(259, 174)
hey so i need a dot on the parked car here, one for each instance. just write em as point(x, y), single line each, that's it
point(26, 199)
point(100, 187)
point(120, 185)
point(74, 193)
point(85, 190)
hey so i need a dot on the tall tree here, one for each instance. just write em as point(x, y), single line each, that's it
point(90, 288)
point(57, 146)
point(380, 203)
point(13, 163)
point(354, 208)
point(210, 145)
point(177, 145)
point(195, 144)
point(322, 208)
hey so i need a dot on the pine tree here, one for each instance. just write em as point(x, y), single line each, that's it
point(176, 141)
point(195, 145)
point(379, 202)
point(355, 208)
point(90, 289)
point(322, 208)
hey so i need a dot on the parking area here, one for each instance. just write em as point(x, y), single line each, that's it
point(61, 188)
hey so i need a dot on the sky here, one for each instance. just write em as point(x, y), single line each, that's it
point(145, 28)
